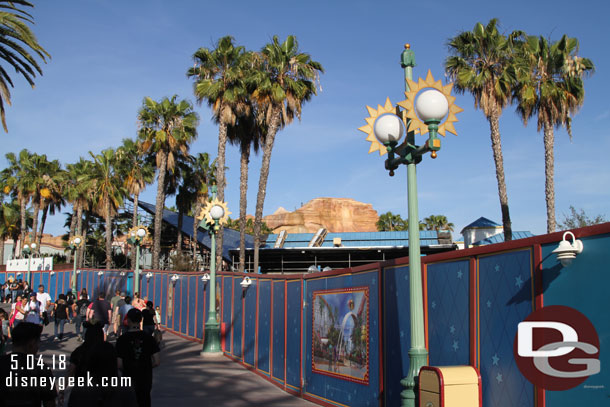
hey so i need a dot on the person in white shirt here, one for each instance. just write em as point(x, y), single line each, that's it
point(33, 310)
point(45, 301)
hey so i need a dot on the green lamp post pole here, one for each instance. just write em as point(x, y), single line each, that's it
point(211, 345)
point(28, 251)
point(137, 235)
point(136, 280)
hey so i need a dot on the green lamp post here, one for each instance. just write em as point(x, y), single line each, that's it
point(75, 243)
point(137, 235)
point(385, 127)
point(28, 250)
point(214, 214)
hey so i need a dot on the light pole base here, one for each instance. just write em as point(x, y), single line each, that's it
point(211, 344)
point(417, 359)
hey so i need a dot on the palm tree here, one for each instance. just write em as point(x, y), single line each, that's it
point(438, 222)
point(167, 129)
point(79, 193)
point(551, 87)
point(388, 222)
point(220, 77)
point(18, 181)
point(9, 225)
point(285, 78)
point(203, 175)
point(137, 172)
point(51, 194)
point(247, 135)
point(108, 192)
point(15, 39)
point(482, 63)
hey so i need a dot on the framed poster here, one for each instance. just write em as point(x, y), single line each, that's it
point(340, 333)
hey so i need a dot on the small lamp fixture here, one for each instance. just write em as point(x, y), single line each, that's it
point(52, 273)
point(205, 278)
point(18, 274)
point(327, 268)
point(566, 251)
point(122, 273)
point(77, 271)
point(246, 282)
point(149, 275)
point(312, 269)
point(100, 273)
point(175, 278)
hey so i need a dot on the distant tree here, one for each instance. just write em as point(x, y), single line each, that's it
point(389, 222)
point(438, 222)
point(578, 219)
point(15, 39)
point(249, 226)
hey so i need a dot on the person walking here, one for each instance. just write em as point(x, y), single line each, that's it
point(79, 310)
point(33, 312)
point(45, 303)
point(18, 314)
point(102, 312)
point(123, 314)
point(60, 312)
point(113, 303)
point(138, 354)
point(148, 318)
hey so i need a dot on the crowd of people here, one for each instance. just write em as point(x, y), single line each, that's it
point(134, 323)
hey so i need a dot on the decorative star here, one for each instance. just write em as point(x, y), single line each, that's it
point(518, 281)
point(455, 346)
point(497, 268)
point(433, 304)
point(488, 304)
point(459, 274)
point(495, 359)
point(452, 329)
point(499, 378)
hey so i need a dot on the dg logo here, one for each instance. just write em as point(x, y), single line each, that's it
point(557, 348)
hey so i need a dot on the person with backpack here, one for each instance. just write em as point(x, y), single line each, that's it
point(60, 313)
point(102, 312)
point(79, 309)
point(123, 310)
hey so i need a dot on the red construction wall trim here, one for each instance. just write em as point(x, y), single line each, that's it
point(285, 329)
point(540, 394)
point(424, 271)
point(256, 325)
point(301, 340)
point(381, 326)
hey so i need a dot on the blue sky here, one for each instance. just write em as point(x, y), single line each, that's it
point(107, 55)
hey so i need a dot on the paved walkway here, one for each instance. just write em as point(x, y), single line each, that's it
point(186, 379)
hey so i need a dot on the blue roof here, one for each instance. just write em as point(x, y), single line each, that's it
point(482, 223)
point(499, 238)
point(356, 239)
point(230, 236)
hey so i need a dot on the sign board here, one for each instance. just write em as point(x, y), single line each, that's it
point(37, 264)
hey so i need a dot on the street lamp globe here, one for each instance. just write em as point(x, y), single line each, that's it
point(217, 212)
point(141, 232)
point(388, 128)
point(26, 247)
point(431, 105)
point(33, 246)
point(77, 241)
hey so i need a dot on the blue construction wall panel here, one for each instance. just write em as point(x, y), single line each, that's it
point(184, 303)
point(177, 303)
point(278, 331)
point(293, 334)
point(194, 294)
point(44, 280)
point(448, 313)
point(227, 311)
point(505, 299)
point(330, 386)
point(236, 348)
point(584, 287)
point(250, 323)
point(158, 289)
point(66, 281)
point(52, 286)
point(264, 325)
point(35, 281)
point(164, 318)
point(201, 316)
point(397, 330)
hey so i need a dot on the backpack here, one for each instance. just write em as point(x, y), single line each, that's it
point(82, 311)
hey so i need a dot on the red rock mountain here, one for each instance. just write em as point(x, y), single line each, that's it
point(334, 214)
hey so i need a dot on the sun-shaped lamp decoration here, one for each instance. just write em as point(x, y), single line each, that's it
point(427, 103)
point(215, 212)
point(76, 242)
point(137, 234)
point(386, 115)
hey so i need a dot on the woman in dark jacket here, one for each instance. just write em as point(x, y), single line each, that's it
point(60, 311)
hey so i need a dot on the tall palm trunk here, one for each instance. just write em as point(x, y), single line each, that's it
point(108, 235)
point(81, 231)
point(220, 180)
point(36, 206)
point(2, 252)
point(134, 223)
point(496, 146)
point(262, 183)
point(195, 230)
point(72, 232)
point(243, 204)
point(22, 213)
point(179, 236)
point(549, 176)
point(159, 206)
point(43, 220)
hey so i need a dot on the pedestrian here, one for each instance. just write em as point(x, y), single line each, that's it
point(4, 332)
point(116, 314)
point(33, 312)
point(138, 302)
point(79, 310)
point(123, 314)
point(138, 354)
point(18, 311)
point(158, 315)
point(148, 318)
point(60, 312)
point(70, 300)
point(101, 312)
point(45, 303)
point(113, 303)
point(84, 292)
point(26, 289)
point(13, 286)
point(39, 388)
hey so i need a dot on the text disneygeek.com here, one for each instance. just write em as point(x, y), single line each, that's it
point(60, 383)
